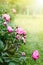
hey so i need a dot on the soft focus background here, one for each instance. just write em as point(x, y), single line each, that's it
point(29, 15)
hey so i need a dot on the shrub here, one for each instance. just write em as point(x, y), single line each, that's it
point(10, 41)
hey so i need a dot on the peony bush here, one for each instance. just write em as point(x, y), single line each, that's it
point(10, 41)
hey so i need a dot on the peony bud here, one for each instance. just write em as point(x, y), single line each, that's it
point(9, 29)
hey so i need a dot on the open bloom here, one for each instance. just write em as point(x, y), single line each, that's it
point(6, 17)
point(35, 55)
point(9, 29)
point(19, 30)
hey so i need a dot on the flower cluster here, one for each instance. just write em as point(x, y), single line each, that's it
point(20, 34)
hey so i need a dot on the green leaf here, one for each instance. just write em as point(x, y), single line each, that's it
point(11, 63)
point(1, 45)
point(1, 60)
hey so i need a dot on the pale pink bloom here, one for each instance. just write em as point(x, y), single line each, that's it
point(35, 55)
point(5, 23)
point(6, 17)
point(18, 37)
point(9, 29)
point(23, 54)
point(14, 10)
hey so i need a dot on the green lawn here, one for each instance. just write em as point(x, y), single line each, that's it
point(34, 27)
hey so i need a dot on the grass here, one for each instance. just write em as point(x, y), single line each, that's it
point(34, 27)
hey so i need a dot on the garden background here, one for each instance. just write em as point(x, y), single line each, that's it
point(29, 16)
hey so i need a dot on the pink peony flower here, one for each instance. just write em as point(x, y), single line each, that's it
point(5, 23)
point(6, 17)
point(23, 54)
point(9, 29)
point(19, 30)
point(14, 10)
point(18, 37)
point(35, 55)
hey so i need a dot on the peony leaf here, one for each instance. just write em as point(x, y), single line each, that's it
point(1, 60)
point(11, 63)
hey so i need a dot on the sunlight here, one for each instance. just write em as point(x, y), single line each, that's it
point(39, 3)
